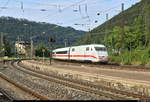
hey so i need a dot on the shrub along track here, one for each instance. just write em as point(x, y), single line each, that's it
point(84, 86)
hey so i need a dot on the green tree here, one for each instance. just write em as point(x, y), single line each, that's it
point(147, 23)
point(137, 30)
point(5, 48)
point(39, 51)
point(113, 40)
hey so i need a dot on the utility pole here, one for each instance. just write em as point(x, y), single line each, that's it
point(2, 42)
point(65, 41)
point(2, 50)
point(122, 29)
point(106, 27)
point(2, 45)
point(31, 47)
point(90, 36)
point(43, 50)
point(18, 38)
point(51, 40)
point(16, 51)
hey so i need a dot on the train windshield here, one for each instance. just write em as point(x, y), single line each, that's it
point(100, 48)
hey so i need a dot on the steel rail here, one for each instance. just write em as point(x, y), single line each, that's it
point(68, 82)
point(38, 96)
point(114, 66)
point(95, 86)
point(6, 94)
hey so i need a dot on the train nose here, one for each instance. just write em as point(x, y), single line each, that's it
point(103, 57)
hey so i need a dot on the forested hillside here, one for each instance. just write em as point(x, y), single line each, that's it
point(21, 28)
point(97, 35)
point(127, 35)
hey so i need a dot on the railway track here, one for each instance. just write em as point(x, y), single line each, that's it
point(127, 94)
point(5, 95)
point(111, 66)
point(34, 94)
point(84, 86)
point(69, 83)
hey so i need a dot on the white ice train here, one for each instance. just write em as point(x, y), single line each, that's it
point(93, 53)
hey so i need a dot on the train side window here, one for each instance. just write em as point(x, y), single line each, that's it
point(73, 49)
point(87, 49)
point(61, 52)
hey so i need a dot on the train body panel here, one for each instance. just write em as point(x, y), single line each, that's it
point(93, 53)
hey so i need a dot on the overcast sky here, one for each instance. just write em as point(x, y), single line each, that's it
point(79, 14)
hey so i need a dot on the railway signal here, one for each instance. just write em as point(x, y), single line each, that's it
point(51, 41)
point(43, 50)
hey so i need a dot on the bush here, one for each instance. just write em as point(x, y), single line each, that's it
point(138, 56)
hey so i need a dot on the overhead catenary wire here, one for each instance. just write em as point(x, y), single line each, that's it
point(37, 3)
point(87, 15)
point(79, 4)
point(65, 8)
point(22, 6)
point(112, 8)
point(104, 11)
point(5, 5)
point(116, 7)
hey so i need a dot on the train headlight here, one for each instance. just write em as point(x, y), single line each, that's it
point(101, 56)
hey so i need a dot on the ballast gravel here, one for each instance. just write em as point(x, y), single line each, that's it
point(49, 89)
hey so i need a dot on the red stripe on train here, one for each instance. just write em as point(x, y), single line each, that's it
point(78, 56)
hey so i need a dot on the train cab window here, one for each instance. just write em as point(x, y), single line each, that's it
point(100, 48)
point(73, 49)
point(87, 49)
point(91, 49)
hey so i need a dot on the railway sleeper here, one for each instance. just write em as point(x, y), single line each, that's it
point(108, 84)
